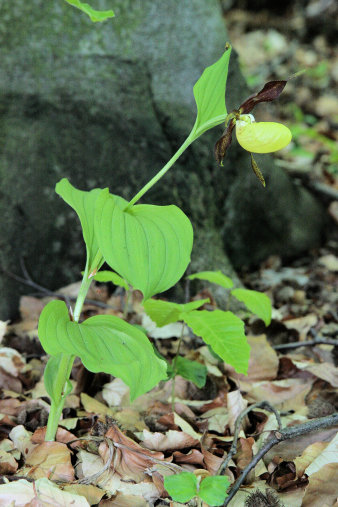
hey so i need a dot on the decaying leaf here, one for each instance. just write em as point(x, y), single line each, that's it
point(50, 460)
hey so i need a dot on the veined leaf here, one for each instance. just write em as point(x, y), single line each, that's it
point(213, 277)
point(181, 487)
point(84, 204)
point(191, 370)
point(213, 489)
point(110, 276)
point(209, 92)
point(149, 246)
point(92, 13)
point(49, 376)
point(224, 332)
point(257, 302)
point(165, 312)
point(104, 343)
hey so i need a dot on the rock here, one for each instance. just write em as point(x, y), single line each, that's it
point(107, 105)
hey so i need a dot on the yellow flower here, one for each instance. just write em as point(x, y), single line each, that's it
point(261, 137)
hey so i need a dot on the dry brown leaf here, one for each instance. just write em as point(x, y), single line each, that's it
point(51, 460)
point(302, 324)
point(217, 418)
point(130, 419)
point(62, 436)
point(308, 456)
point(94, 406)
point(260, 369)
point(278, 392)
point(130, 459)
point(122, 500)
point(236, 404)
point(325, 371)
point(10, 406)
point(212, 463)
point(3, 328)
point(22, 439)
point(8, 464)
point(322, 490)
point(93, 494)
point(116, 393)
point(171, 440)
point(193, 457)
point(244, 452)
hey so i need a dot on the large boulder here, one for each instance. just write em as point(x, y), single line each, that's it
point(107, 105)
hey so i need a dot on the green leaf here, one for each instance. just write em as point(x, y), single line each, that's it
point(209, 92)
point(149, 246)
point(84, 204)
point(92, 13)
point(257, 302)
point(191, 370)
point(224, 332)
point(213, 489)
point(104, 343)
point(213, 277)
point(49, 376)
point(181, 487)
point(165, 312)
point(110, 276)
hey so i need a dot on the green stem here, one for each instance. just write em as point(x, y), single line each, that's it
point(56, 407)
point(161, 173)
point(65, 368)
point(174, 368)
point(126, 303)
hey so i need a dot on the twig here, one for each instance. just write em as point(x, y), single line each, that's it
point(280, 436)
point(265, 405)
point(307, 343)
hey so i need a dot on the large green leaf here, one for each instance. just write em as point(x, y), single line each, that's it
point(110, 276)
point(181, 487)
point(209, 92)
point(191, 370)
point(213, 489)
point(213, 277)
point(224, 332)
point(257, 302)
point(92, 13)
point(104, 343)
point(149, 246)
point(84, 204)
point(50, 375)
point(165, 312)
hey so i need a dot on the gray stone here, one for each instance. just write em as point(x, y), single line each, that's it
point(107, 105)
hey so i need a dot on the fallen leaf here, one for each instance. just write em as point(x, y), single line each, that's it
point(8, 464)
point(217, 418)
point(236, 404)
point(95, 407)
point(93, 494)
point(325, 371)
point(116, 393)
point(322, 488)
point(39, 493)
point(3, 328)
point(123, 500)
point(51, 460)
point(22, 439)
point(328, 455)
point(171, 440)
point(258, 369)
point(302, 324)
point(11, 361)
point(186, 427)
point(330, 261)
point(308, 456)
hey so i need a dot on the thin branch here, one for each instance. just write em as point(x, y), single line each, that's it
point(265, 405)
point(307, 343)
point(280, 436)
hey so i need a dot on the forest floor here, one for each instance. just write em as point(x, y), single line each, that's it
point(126, 448)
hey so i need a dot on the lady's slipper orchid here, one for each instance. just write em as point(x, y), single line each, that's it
point(255, 137)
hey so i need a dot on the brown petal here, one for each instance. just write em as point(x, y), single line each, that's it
point(224, 142)
point(269, 92)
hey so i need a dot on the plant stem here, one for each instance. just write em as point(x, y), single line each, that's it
point(56, 407)
point(161, 173)
point(126, 303)
point(65, 368)
point(174, 368)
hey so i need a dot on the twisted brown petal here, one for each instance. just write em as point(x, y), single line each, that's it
point(269, 92)
point(224, 142)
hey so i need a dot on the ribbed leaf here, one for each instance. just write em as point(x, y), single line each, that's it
point(181, 487)
point(257, 302)
point(224, 332)
point(213, 277)
point(209, 92)
point(49, 376)
point(165, 312)
point(110, 276)
point(213, 489)
point(104, 343)
point(191, 370)
point(92, 13)
point(149, 246)
point(84, 204)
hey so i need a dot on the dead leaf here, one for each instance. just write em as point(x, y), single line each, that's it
point(51, 460)
point(8, 464)
point(93, 494)
point(302, 324)
point(329, 261)
point(171, 440)
point(39, 493)
point(258, 369)
point(122, 500)
point(236, 404)
point(22, 439)
point(95, 407)
point(322, 489)
point(244, 452)
point(308, 456)
point(325, 371)
point(62, 436)
point(328, 455)
point(3, 328)
point(130, 459)
point(116, 393)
